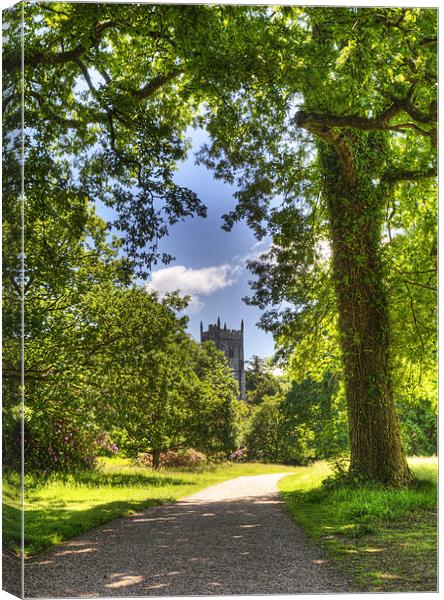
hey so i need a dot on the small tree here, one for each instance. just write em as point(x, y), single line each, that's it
point(142, 370)
point(260, 381)
point(213, 423)
point(270, 436)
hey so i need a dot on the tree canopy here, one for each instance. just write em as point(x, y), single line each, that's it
point(324, 118)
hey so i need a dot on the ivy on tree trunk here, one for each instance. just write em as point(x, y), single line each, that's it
point(355, 199)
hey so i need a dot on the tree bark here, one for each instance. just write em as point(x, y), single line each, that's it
point(156, 459)
point(355, 212)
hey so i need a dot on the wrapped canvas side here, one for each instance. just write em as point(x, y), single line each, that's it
point(12, 305)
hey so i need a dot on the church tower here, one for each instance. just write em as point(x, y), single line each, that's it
point(231, 343)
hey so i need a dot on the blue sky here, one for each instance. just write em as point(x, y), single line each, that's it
point(209, 263)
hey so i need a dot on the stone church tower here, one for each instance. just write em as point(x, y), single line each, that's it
point(231, 343)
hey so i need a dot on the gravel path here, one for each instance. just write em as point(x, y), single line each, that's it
point(232, 538)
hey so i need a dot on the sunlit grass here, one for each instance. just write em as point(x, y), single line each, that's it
point(62, 507)
point(385, 539)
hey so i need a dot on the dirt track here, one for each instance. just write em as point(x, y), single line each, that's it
point(232, 538)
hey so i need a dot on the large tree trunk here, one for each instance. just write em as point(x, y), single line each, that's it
point(156, 459)
point(355, 202)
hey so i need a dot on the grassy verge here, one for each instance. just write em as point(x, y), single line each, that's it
point(63, 507)
point(382, 540)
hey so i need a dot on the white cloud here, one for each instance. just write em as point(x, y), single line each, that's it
point(198, 283)
point(255, 251)
point(194, 282)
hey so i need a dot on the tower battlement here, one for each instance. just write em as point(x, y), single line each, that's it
point(231, 343)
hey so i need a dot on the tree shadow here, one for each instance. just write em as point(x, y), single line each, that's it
point(99, 478)
point(191, 547)
point(60, 520)
point(45, 527)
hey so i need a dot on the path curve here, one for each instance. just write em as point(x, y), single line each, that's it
point(232, 538)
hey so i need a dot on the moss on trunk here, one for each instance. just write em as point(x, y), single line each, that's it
point(355, 212)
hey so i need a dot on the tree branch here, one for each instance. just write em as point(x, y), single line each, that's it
point(13, 61)
point(322, 127)
point(327, 127)
point(381, 122)
point(152, 86)
point(419, 284)
point(417, 114)
point(396, 175)
point(85, 74)
point(52, 116)
point(306, 120)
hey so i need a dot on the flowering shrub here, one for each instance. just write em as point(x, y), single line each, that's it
point(105, 446)
point(61, 445)
point(239, 455)
point(182, 458)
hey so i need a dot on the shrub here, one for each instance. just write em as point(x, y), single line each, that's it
point(58, 445)
point(273, 438)
point(105, 446)
point(171, 458)
point(188, 458)
point(239, 455)
point(419, 427)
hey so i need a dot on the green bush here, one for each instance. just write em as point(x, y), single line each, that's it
point(270, 439)
point(181, 458)
point(419, 427)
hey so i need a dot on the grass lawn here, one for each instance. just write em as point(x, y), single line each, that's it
point(62, 508)
point(382, 540)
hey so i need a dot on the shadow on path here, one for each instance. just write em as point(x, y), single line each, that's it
point(238, 545)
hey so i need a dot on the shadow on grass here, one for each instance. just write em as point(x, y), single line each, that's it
point(383, 539)
point(61, 516)
point(99, 478)
point(12, 526)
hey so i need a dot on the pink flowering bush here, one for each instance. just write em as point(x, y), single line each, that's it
point(239, 455)
point(59, 445)
point(105, 446)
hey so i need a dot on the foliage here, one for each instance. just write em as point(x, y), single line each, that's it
point(419, 427)
point(104, 356)
point(365, 130)
point(320, 407)
point(184, 458)
point(215, 420)
point(260, 381)
point(59, 391)
point(327, 128)
point(120, 131)
point(305, 423)
point(141, 369)
point(271, 437)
